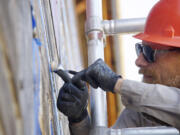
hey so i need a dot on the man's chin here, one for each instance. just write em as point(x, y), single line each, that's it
point(148, 79)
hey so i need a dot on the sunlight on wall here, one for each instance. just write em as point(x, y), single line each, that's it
point(133, 9)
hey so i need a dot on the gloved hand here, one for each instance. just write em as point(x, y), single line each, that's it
point(72, 101)
point(98, 75)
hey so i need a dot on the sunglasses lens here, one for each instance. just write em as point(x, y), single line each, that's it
point(147, 51)
point(138, 48)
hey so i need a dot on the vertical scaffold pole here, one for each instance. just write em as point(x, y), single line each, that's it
point(94, 33)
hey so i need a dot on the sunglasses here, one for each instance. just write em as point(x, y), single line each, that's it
point(149, 53)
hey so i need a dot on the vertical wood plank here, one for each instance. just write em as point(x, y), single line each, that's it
point(111, 98)
point(15, 65)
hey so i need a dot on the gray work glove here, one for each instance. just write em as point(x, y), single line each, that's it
point(72, 101)
point(98, 75)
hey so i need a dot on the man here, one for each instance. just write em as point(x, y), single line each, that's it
point(151, 103)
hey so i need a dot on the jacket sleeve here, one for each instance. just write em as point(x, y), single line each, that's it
point(159, 101)
point(80, 128)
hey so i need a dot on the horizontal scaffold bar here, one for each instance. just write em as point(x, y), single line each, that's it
point(112, 27)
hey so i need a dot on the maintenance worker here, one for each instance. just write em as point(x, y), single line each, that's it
point(153, 102)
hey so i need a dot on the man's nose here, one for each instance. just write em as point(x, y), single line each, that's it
point(141, 61)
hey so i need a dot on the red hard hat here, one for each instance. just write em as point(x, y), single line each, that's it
point(163, 24)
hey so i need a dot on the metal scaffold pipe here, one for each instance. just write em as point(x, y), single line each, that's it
point(160, 130)
point(112, 27)
point(94, 33)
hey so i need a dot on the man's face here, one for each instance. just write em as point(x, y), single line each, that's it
point(165, 70)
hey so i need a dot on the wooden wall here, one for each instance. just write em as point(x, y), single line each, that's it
point(16, 78)
point(28, 87)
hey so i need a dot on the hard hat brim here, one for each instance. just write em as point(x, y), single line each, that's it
point(165, 41)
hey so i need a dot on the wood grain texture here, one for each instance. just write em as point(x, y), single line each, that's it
point(28, 87)
point(16, 70)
